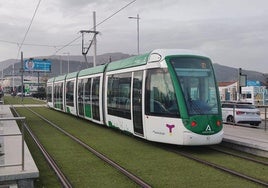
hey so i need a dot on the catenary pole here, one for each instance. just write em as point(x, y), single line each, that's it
point(94, 40)
point(22, 70)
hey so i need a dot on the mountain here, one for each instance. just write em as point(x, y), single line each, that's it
point(6, 63)
point(60, 63)
point(228, 74)
point(76, 63)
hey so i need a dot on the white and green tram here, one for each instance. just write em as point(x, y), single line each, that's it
point(168, 96)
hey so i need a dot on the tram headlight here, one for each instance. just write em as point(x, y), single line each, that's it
point(218, 123)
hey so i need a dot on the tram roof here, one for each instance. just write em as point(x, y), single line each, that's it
point(71, 75)
point(51, 80)
point(167, 52)
point(60, 78)
point(92, 70)
point(153, 56)
point(129, 62)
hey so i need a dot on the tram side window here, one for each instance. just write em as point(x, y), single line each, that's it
point(80, 101)
point(80, 89)
point(118, 99)
point(49, 93)
point(58, 95)
point(55, 91)
point(60, 91)
point(87, 92)
point(160, 95)
point(70, 93)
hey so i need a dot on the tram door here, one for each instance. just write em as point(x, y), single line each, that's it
point(137, 102)
point(80, 96)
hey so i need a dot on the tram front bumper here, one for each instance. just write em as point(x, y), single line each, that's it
point(190, 138)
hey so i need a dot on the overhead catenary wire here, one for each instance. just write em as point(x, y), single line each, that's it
point(9, 42)
point(115, 13)
point(32, 44)
point(61, 47)
point(28, 29)
point(109, 17)
point(68, 44)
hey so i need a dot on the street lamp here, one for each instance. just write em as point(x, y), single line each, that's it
point(68, 53)
point(60, 65)
point(138, 32)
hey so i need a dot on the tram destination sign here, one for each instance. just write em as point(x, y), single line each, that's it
point(37, 65)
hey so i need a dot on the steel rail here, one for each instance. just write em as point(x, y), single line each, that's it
point(62, 178)
point(232, 172)
point(130, 175)
point(239, 156)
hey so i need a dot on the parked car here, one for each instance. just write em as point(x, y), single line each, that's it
point(240, 112)
point(24, 94)
point(19, 94)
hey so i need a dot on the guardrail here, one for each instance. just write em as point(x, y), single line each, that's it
point(18, 134)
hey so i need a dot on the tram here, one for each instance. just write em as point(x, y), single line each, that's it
point(167, 95)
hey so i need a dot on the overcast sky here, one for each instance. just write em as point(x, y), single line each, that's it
point(232, 32)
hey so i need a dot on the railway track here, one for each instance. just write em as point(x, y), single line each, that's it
point(121, 169)
point(239, 156)
point(219, 167)
point(260, 182)
point(60, 175)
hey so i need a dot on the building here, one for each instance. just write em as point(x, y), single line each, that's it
point(228, 91)
point(254, 92)
point(30, 84)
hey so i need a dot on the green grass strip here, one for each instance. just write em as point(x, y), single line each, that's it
point(156, 166)
point(82, 168)
point(25, 100)
point(244, 166)
point(47, 177)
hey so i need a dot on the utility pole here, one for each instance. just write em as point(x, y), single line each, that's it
point(13, 75)
point(22, 70)
point(2, 76)
point(68, 62)
point(241, 82)
point(93, 41)
point(60, 65)
point(138, 31)
point(68, 53)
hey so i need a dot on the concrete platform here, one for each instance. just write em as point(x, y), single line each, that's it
point(11, 170)
point(250, 140)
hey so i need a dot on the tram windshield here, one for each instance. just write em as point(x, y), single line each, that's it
point(196, 77)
